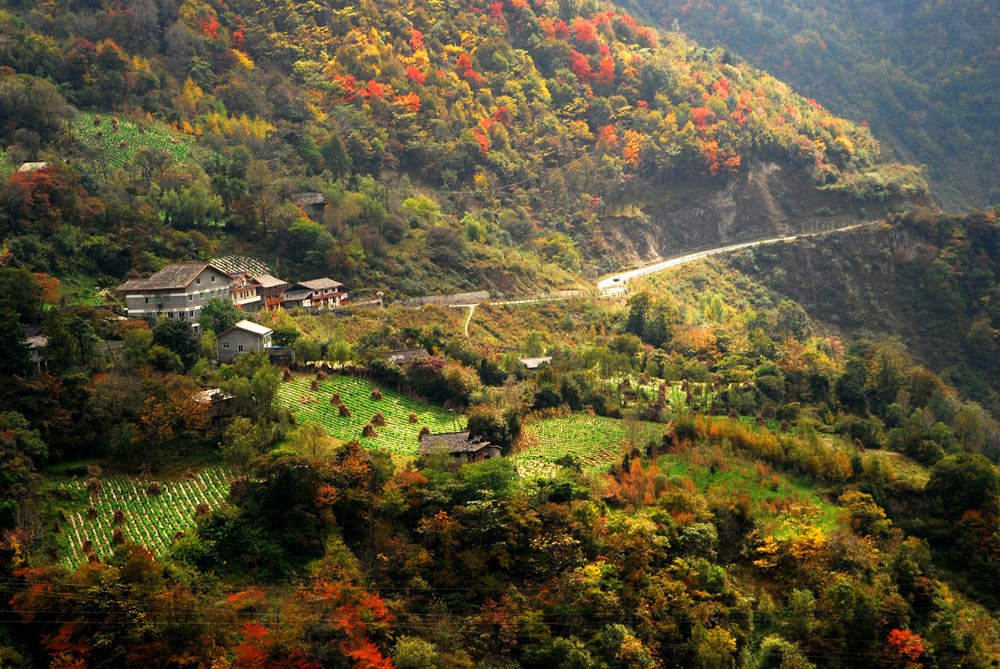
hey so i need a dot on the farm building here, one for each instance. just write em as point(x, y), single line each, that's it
point(535, 363)
point(244, 337)
point(460, 446)
point(316, 294)
point(311, 203)
point(406, 355)
point(177, 291)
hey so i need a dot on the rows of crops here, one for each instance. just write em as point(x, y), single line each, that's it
point(397, 436)
point(150, 520)
point(119, 147)
point(594, 441)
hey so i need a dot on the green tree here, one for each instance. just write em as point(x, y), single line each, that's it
point(218, 315)
point(16, 359)
point(242, 442)
point(335, 156)
point(964, 482)
point(179, 338)
point(638, 311)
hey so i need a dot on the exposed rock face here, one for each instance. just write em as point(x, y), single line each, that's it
point(767, 200)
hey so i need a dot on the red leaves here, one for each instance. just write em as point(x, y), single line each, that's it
point(905, 648)
point(646, 37)
point(464, 65)
point(209, 27)
point(580, 66)
point(415, 74)
point(721, 88)
point(496, 9)
point(561, 30)
point(605, 71)
point(375, 89)
point(484, 141)
point(236, 39)
point(411, 101)
point(416, 39)
point(584, 31)
point(702, 116)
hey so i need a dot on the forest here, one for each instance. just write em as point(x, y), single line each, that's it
point(782, 457)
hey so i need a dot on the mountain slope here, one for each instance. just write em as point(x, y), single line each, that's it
point(923, 73)
point(441, 137)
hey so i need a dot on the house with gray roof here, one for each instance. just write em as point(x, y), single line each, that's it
point(459, 446)
point(322, 293)
point(244, 337)
point(405, 356)
point(177, 291)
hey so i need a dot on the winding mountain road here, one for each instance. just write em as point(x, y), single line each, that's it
point(615, 284)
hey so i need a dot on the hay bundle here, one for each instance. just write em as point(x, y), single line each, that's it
point(369, 431)
point(286, 375)
point(118, 518)
point(412, 418)
point(189, 475)
point(321, 375)
point(123, 145)
point(117, 537)
point(314, 385)
point(335, 399)
point(344, 411)
point(378, 420)
point(860, 446)
point(92, 558)
point(733, 415)
point(784, 427)
point(424, 431)
point(376, 394)
point(759, 421)
point(99, 134)
point(94, 486)
point(97, 119)
point(202, 510)
point(142, 128)
point(87, 546)
point(154, 489)
point(91, 513)
point(685, 386)
point(309, 400)
point(178, 535)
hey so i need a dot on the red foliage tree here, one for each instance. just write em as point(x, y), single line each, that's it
point(580, 66)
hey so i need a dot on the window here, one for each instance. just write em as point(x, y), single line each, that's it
point(147, 300)
point(170, 314)
point(190, 296)
point(225, 344)
point(240, 348)
point(213, 278)
point(198, 281)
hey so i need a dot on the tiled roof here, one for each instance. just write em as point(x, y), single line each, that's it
point(250, 326)
point(239, 264)
point(535, 363)
point(320, 284)
point(303, 199)
point(170, 277)
point(297, 296)
point(457, 442)
point(268, 281)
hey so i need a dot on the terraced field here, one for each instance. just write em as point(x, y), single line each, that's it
point(398, 436)
point(120, 147)
point(150, 520)
point(596, 442)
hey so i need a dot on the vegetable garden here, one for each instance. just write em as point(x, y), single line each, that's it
point(595, 441)
point(119, 145)
point(150, 516)
point(398, 436)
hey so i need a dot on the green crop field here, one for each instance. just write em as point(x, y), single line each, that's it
point(398, 436)
point(596, 442)
point(156, 135)
point(149, 520)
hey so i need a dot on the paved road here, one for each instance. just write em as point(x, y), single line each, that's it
point(615, 284)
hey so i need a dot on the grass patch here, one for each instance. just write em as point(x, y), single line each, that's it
point(398, 436)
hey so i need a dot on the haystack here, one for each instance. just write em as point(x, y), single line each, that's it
point(344, 411)
point(335, 399)
point(202, 510)
point(424, 431)
point(759, 421)
point(376, 394)
point(412, 418)
point(378, 420)
point(368, 431)
point(733, 415)
point(286, 375)
point(117, 537)
point(118, 518)
point(314, 385)
point(154, 489)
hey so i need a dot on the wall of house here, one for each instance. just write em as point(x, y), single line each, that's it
point(182, 305)
point(230, 343)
